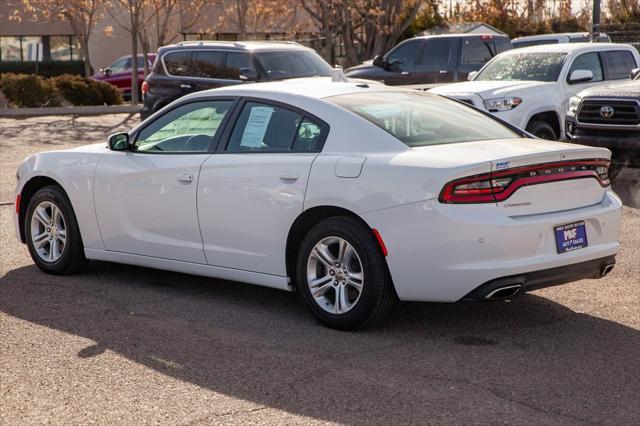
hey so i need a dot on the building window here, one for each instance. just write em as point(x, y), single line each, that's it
point(54, 48)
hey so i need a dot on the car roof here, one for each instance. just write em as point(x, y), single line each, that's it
point(570, 47)
point(261, 45)
point(461, 35)
point(310, 87)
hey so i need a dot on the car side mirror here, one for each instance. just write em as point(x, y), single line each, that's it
point(378, 61)
point(105, 71)
point(472, 75)
point(119, 142)
point(248, 74)
point(580, 76)
point(635, 72)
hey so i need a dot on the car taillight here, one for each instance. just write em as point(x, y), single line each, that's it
point(145, 87)
point(499, 185)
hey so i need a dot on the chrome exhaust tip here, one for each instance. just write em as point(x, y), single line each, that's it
point(606, 269)
point(504, 292)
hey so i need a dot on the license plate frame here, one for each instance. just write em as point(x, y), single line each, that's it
point(570, 236)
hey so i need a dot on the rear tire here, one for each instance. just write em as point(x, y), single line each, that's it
point(543, 130)
point(342, 275)
point(52, 232)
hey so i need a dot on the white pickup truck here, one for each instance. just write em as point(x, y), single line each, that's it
point(530, 87)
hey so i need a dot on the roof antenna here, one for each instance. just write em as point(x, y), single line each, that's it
point(337, 76)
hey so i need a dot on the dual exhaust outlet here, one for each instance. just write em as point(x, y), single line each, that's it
point(510, 290)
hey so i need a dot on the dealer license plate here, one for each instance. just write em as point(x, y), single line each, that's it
point(571, 236)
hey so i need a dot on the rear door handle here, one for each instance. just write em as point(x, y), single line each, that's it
point(444, 72)
point(405, 73)
point(185, 177)
point(288, 175)
point(185, 86)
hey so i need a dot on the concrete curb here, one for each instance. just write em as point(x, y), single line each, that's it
point(70, 110)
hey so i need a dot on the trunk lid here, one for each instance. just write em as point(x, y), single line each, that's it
point(557, 183)
point(558, 161)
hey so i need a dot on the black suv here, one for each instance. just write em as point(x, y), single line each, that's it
point(193, 66)
point(432, 59)
point(609, 116)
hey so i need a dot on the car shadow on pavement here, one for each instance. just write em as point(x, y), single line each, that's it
point(529, 359)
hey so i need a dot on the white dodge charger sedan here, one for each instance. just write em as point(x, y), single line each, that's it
point(352, 195)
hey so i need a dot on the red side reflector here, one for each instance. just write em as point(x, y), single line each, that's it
point(380, 242)
point(18, 204)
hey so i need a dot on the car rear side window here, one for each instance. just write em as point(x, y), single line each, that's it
point(208, 64)
point(263, 127)
point(619, 64)
point(177, 63)
point(420, 119)
point(476, 51)
point(437, 52)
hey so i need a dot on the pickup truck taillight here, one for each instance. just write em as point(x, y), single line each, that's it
point(499, 185)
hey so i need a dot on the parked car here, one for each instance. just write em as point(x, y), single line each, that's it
point(536, 40)
point(530, 87)
point(608, 116)
point(119, 73)
point(193, 66)
point(432, 59)
point(351, 194)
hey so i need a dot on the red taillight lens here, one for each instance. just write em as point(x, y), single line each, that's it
point(499, 185)
point(145, 87)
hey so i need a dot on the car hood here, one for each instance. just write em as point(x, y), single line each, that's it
point(362, 67)
point(489, 89)
point(627, 89)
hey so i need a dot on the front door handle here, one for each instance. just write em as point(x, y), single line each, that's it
point(405, 73)
point(444, 72)
point(185, 86)
point(289, 175)
point(185, 177)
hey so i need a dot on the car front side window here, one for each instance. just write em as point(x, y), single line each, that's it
point(589, 62)
point(189, 128)
point(403, 56)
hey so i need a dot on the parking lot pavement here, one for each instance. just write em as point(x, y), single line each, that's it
point(122, 344)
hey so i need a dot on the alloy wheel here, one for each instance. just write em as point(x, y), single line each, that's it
point(335, 275)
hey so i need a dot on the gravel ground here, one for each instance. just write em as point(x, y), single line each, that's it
point(121, 344)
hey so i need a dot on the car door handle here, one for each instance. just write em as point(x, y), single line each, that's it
point(185, 177)
point(405, 73)
point(288, 175)
point(444, 72)
point(185, 86)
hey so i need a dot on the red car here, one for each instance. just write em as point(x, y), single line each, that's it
point(119, 73)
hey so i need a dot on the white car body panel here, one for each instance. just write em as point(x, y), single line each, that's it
point(233, 219)
point(537, 96)
point(247, 204)
point(143, 209)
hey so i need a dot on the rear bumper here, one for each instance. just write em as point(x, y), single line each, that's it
point(521, 283)
point(441, 253)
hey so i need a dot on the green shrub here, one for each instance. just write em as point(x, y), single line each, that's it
point(45, 69)
point(84, 91)
point(27, 90)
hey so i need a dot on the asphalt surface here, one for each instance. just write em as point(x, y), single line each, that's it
point(129, 345)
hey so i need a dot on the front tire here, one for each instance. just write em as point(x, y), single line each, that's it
point(342, 275)
point(543, 130)
point(52, 232)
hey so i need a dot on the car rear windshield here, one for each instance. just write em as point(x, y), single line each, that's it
point(531, 66)
point(292, 64)
point(420, 119)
